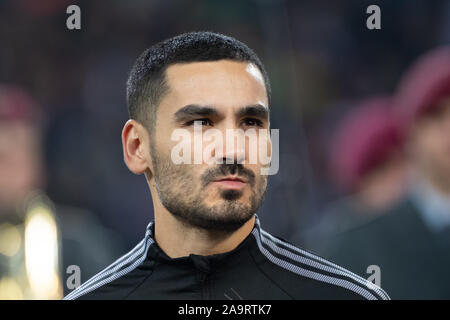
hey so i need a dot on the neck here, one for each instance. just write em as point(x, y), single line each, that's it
point(178, 239)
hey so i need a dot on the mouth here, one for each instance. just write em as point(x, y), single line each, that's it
point(231, 182)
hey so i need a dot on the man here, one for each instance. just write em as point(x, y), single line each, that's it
point(206, 241)
point(411, 243)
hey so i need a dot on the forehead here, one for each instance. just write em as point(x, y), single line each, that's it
point(220, 83)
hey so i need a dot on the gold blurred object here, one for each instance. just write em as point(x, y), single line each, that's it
point(10, 289)
point(41, 252)
point(30, 253)
point(10, 239)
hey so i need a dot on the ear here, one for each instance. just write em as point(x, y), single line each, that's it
point(135, 144)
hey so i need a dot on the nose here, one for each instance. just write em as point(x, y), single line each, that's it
point(232, 150)
point(235, 156)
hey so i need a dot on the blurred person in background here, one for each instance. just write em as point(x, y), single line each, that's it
point(411, 243)
point(22, 208)
point(38, 239)
point(367, 164)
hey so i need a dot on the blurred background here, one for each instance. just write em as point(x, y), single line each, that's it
point(364, 133)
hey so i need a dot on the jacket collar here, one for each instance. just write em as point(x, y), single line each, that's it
point(204, 263)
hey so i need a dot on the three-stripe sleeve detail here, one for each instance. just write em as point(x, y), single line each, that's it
point(306, 264)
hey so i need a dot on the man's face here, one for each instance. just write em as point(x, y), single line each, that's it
point(219, 95)
point(431, 141)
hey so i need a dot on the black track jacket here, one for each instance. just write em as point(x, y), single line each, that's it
point(261, 267)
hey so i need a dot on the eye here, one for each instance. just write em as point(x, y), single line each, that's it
point(252, 122)
point(203, 122)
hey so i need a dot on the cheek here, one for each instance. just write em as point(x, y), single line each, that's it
point(263, 180)
point(259, 150)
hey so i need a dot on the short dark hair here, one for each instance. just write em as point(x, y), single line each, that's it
point(147, 83)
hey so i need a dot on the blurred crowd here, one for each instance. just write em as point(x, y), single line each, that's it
point(364, 119)
point(393, 156)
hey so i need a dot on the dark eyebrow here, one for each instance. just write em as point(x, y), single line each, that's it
point(194, 110)
point(256, 110)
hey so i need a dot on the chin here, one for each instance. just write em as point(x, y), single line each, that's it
point(231, 195)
